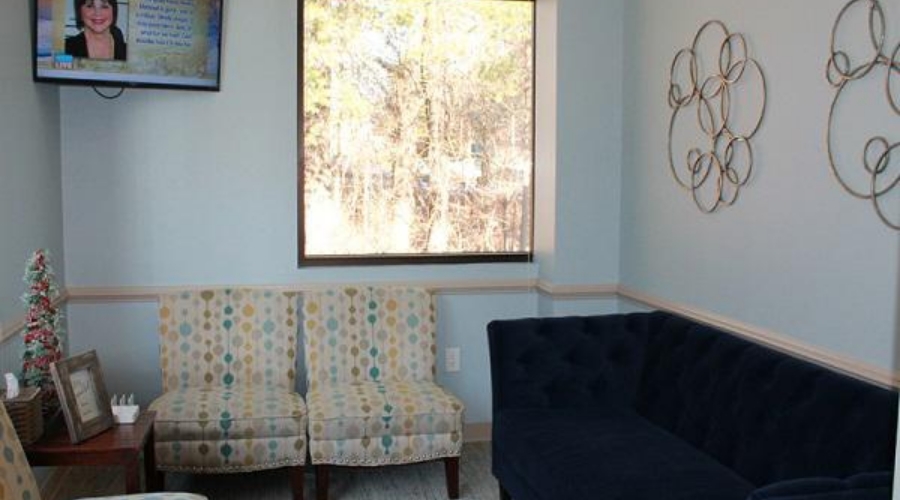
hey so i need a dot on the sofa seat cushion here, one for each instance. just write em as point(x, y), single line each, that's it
point(867, 486)
point(376, 423)
point(222, 430)
point(153, 496)
point(578, 453)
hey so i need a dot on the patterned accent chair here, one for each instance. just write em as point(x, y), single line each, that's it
point(229, 403)
point(17, 481)
point(370, 360)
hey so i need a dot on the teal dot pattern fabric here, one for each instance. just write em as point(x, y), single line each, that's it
point(375, 334)
point(220, 430)
point(228, 338)
point(370, 361)
point(228, 359)
point(16, 480)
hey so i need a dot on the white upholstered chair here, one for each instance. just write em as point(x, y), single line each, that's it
point(370, 361)
point(228, 361)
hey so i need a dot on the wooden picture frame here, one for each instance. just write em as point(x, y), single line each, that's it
point(82, 395)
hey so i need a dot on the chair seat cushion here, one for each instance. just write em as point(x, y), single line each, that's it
point(192, 413)
point(577, 453)
point(344, 411)
point(375, 423)
point(222, 430)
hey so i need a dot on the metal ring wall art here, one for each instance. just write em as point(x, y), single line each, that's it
point(716, 173)
point(879, 153)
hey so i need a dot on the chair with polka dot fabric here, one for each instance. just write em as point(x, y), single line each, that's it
point(17, 481)
point(229, 402)
point(370, 362)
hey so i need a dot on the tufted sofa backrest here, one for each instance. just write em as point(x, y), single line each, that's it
point(571, 362)
point(366, 333)
point(766, 415)
point(228, 338)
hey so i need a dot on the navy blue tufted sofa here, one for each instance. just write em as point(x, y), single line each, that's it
point(651, 406)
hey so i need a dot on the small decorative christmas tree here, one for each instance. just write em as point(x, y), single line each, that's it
point(42, 329)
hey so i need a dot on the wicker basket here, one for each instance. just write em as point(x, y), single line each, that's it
point(25, 412)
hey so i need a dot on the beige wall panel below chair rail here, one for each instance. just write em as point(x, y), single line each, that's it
point(477, 432)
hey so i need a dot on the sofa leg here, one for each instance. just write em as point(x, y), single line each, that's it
point(322, 482)
point(296, 473)
point(504, 495)
point(451, 470)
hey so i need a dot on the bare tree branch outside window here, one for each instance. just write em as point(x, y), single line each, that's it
point(417, 128)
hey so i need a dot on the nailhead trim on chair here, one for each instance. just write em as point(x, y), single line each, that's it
point(232, 468)
point(376, 463)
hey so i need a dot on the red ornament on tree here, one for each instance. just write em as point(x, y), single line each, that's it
point(42, 329)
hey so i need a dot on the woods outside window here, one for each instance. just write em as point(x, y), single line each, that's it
point(416, 123)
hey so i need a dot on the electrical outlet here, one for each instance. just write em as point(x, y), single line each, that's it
point(451, 359)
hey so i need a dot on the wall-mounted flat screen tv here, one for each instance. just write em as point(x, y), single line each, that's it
point(129, 43)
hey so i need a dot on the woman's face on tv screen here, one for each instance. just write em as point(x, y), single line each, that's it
point(97, 15)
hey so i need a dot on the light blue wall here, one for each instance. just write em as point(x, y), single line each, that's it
point(200, 189)
point(796, 255)
point(174, 188)
point(125, 338)
point(186, 175)
point(30, 192)
point(589, 140)
point(550, 306)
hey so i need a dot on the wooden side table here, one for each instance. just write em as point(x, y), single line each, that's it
point(120, 445)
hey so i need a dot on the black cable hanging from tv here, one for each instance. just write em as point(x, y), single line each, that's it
point(109, 96)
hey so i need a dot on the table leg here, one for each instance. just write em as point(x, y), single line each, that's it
point(152, 477)
point(133, 476)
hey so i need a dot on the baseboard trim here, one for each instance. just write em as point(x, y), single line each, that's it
point(10, 330)
point(772, 339)
point(477, 432)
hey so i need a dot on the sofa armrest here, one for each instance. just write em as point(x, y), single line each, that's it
point(867, 486)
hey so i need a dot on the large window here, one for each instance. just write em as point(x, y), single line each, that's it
point(417, 121)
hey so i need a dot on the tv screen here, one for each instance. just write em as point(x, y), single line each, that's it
point(129, 43)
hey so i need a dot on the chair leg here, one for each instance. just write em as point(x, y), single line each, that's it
point(296, 473)
point(504, 495)
point(322, 482)
point(451, 470)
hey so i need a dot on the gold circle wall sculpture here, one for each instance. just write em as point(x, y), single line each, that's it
point(880, 156)
point(714, 169)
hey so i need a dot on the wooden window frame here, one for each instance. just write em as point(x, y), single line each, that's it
point(404, 259)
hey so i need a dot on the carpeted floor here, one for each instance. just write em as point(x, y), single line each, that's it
point(419, 482)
